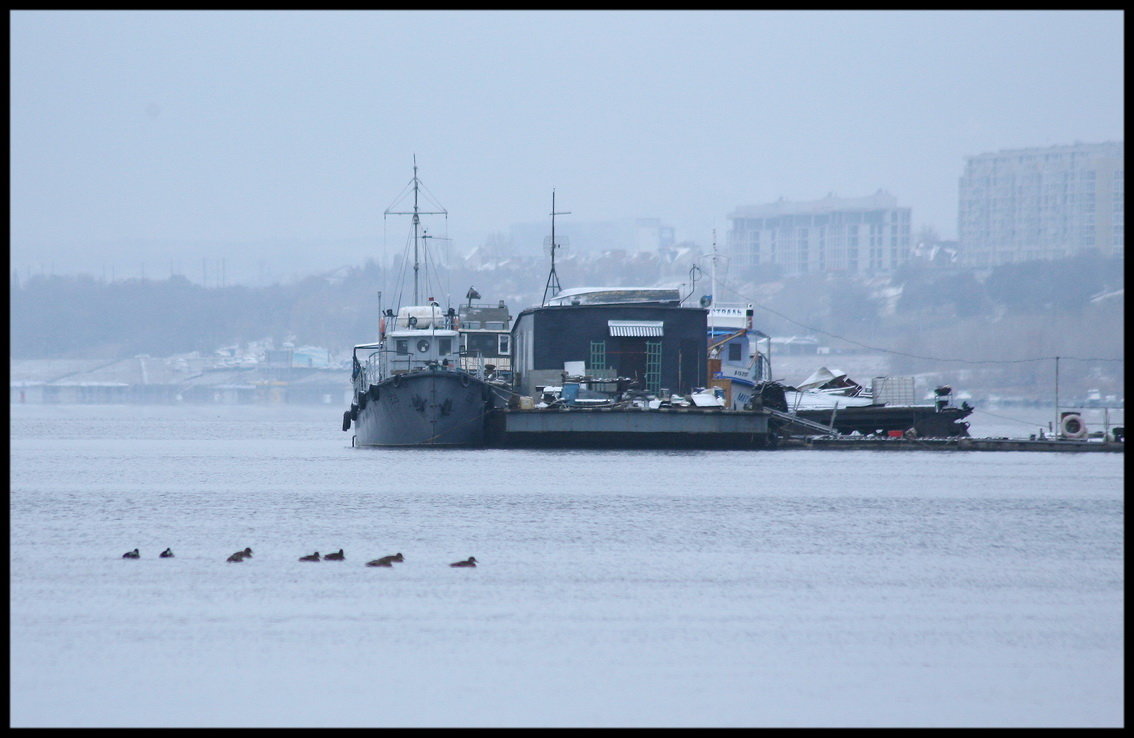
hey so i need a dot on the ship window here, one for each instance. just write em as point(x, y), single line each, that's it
point(494, 325)
point(401, 346)
point(445, 346)
point(734, 352)
point(502, 346)
point(423, 345)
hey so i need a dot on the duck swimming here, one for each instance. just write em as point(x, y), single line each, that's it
point(387, 560)
point(470, 561)
point(241, 555)
point(312, 557)
point(335, 556)
point(132, 554)
point(167, 554)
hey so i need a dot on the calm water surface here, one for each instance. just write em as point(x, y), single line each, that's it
point(785, 588)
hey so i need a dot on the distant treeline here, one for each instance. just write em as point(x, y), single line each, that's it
point(59, 317)
point(1062, 286)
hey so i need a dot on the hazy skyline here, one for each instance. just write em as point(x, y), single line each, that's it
point(178, 136)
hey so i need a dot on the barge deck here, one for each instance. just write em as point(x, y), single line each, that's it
point(628, 427)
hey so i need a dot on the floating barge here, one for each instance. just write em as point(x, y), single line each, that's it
point(709, 429)
point(617, 427)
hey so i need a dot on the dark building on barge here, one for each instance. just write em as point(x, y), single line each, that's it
point(640, 334)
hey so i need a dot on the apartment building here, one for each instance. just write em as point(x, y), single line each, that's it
point(864, 235)
point(1041, 203)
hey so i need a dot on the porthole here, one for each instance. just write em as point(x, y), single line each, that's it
point(423, 345)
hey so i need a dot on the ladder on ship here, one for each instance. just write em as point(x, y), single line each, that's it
point(811, 425)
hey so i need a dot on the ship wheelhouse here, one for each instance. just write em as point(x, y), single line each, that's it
point(422, 337)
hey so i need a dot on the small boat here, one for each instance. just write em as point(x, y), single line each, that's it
point(410, 388)
point(887, 407)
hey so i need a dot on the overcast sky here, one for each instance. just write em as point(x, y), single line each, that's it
point(180, 135)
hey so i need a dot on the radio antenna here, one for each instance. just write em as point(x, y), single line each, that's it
point(552, 277)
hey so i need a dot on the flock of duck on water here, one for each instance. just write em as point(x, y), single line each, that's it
point(340, 556)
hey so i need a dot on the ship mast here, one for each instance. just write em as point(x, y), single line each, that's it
point(713, 289)
point(416, 213)
point(552, 277)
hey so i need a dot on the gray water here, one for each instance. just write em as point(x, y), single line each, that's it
point(776, 588)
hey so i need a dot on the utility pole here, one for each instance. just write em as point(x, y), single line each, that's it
point(1058, 429)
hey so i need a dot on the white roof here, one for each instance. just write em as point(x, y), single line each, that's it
point(615, 295)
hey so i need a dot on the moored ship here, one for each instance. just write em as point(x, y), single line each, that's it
point(410, 387)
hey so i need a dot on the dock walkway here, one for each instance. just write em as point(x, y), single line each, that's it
point(955, 444)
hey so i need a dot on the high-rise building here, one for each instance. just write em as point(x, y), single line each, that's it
point(1041, 203)
point(862, 235)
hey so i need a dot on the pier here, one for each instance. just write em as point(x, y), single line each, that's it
point(1059, 445)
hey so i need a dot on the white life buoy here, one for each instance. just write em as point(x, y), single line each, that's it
point(1072, 426)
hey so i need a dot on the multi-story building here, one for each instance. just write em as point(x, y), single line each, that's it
point(1041, 203)
point(862, 235)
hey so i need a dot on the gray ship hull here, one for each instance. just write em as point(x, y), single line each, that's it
point(427, 408)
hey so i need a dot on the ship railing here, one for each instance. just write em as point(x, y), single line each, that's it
point(369, 373)
point(476, 362)
point(473, 363)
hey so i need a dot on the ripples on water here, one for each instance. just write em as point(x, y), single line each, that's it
point(615, 588)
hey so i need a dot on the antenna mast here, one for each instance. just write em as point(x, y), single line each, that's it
point(552, 277)
point(416, 213)
point(713, 289)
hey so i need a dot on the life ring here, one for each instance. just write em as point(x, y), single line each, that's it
point(464, 379)
point(346, 420)
point(1072, 426)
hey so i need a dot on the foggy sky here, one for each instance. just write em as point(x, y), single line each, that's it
point(173, 136)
